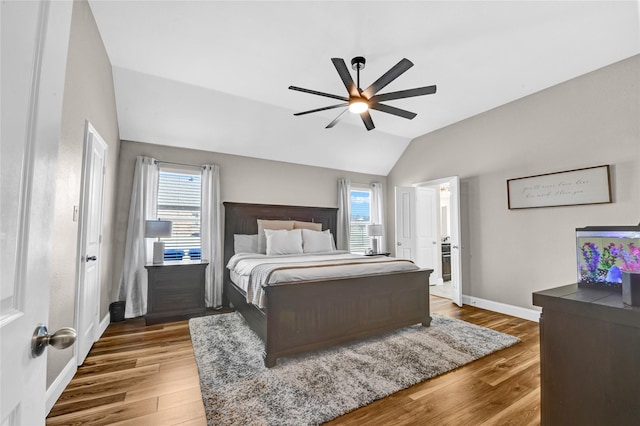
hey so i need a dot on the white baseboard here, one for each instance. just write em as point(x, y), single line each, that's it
point(60, 383)
point(503, 308)
point(103, 325)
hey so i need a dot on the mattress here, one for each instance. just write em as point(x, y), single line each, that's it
point(253, 271)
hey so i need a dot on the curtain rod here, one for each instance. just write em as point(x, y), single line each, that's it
point(179, 164)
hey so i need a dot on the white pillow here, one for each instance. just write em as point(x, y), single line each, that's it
point(283, 241)
point(270, 224)
point(245, 243)
point(317, 241)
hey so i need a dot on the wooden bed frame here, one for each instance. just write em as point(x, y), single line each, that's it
point(306, 316)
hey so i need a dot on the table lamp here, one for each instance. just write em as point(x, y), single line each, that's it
point(374, 231)
point(156, 229)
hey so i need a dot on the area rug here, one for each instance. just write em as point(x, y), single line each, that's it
point(316, 387)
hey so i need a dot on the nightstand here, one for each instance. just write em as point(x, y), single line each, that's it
point(175, 290)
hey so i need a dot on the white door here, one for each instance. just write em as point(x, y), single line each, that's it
point(456, 246)
point(88, 297)
point(34, 37)
point(427, 235)
point(406, 223)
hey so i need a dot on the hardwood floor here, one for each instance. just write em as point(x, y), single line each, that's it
point(142, 375)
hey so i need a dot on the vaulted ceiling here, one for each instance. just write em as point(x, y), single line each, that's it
point(214, 75)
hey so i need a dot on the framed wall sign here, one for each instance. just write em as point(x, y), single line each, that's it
point(591, 185)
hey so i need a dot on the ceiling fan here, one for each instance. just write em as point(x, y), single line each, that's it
point(361, 101)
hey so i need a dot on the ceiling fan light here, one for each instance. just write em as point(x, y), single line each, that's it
point(358, 106)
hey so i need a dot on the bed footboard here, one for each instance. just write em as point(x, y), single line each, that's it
point(308, 316)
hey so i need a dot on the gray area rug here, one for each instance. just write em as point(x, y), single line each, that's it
point(316, 387)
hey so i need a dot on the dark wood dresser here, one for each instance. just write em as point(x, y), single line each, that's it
point(589, 357)
point(175, 290)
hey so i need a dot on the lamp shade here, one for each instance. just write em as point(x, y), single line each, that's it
point(374, 230)
point(158, 228)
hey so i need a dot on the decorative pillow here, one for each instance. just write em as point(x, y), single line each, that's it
point(307, 225)
point(270, 224)
point(317, 241)
point(245, 243)
point(283, 241)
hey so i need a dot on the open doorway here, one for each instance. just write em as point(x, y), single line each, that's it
point(447, 222)
point(442, 287)
point(438, 223)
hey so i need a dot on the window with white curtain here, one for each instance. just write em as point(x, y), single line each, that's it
point(179, 200)
point(360, 201)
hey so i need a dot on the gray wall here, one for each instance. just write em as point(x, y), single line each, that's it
point(588, 121)
point(88, 95)
point(243, 179)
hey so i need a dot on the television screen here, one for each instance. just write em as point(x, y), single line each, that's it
point(605, 252)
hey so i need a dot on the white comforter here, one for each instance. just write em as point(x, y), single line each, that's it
point(260, 270)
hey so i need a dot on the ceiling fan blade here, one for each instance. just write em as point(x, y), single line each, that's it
point(321, 109)
point(366, 119)
point(345, 75)
point(393, 110)
point(396, 71)
point(420, 91)
point(315, 92)
point(335, 120)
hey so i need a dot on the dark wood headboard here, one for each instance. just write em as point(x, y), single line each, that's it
point(242, 218)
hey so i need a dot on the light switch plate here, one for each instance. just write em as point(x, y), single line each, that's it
point(75, 213)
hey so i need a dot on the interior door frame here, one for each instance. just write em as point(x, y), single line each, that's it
point(456, 246)
point(91, 137)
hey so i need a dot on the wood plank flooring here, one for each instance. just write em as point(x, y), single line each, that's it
point(138, 375)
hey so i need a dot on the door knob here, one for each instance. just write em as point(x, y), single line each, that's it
point(399, 243)
point(91, 258)
point(61, 339)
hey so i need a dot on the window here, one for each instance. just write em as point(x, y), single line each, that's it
point(359, 242)
point(179, 202)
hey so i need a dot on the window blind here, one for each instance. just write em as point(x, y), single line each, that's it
point(359, 242)
point(179, 200)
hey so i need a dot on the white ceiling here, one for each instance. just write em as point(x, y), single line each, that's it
point(213, 75)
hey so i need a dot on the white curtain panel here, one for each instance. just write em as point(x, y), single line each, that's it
point(377, 213)
point(138, 250)
point(211, 235)
point(344, 214)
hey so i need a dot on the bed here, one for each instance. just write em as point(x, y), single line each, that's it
point(308, 315)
